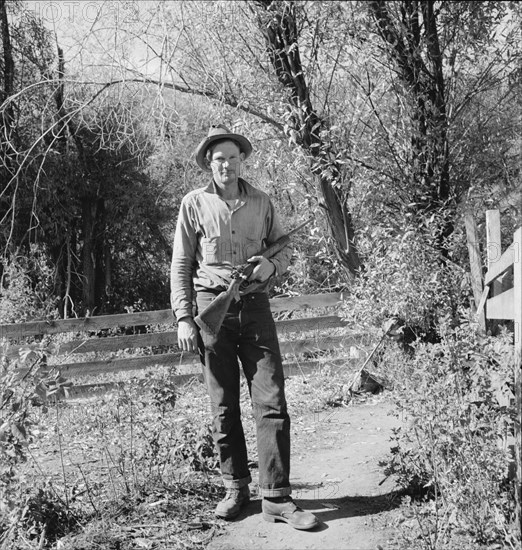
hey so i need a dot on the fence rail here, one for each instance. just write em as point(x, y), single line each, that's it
point(159, 317)
point(167, 338)
point(90, 351)
point(502, 300)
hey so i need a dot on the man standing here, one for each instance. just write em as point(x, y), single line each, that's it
point(220, 226)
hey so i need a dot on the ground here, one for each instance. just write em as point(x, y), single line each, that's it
point(336, 475)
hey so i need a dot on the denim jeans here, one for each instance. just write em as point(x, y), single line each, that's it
point(248, 333)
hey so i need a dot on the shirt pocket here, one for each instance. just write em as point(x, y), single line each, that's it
point(210, 250)
point(218, 251)
point(251, 247)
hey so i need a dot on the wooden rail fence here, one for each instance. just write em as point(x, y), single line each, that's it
point(89, 346)
point(502, 300)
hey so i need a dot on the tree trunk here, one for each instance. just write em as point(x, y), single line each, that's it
point(88, 255)
point(107, 290)
point(6, 113)
point(278, 23)
point(92, 206)
point(419, 61)
point(100, 250)
point(7, 151)
point(93, 254)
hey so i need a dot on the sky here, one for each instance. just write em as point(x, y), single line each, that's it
point(86, 30)
point(64, 16)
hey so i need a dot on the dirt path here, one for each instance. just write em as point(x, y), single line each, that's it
point(335, 474)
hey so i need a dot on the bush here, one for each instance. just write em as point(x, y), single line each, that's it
point(22, 506)
point(405, 277)
point(456, 397)
point(27, 283)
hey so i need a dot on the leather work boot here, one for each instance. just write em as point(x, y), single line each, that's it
point(234, 500)
point(285, 509)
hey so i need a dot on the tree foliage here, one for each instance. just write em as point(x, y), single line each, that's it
point(376, 116)
point(79, 185)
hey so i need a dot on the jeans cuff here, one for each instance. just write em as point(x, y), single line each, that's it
point(236, 483)
point(279, 492)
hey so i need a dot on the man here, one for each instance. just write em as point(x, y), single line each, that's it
point(219, 226)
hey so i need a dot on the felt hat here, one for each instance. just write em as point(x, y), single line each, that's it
point(216, 133)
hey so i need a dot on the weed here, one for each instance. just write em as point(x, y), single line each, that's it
point(37, 511)
point(196, 448)
point(451, 451)
point(45, 517)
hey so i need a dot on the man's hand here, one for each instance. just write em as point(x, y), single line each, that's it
point(187, 334)
point(263, 270)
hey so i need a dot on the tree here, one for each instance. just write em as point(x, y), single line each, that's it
point(76, 180)
point(211, 60)
point(428, 45)
point(364, 109)
point(309, 54)
point(278, 22)
point(7, 150)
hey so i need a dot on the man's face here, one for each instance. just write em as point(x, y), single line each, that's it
point(226, 163)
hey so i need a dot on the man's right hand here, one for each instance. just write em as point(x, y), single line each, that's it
point(187, 334)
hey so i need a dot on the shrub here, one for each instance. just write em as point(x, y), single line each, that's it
point(45, 517)
point(26, 294)
point(404, 276)
point(195, 448)
point(22, 506)
point(456, 398)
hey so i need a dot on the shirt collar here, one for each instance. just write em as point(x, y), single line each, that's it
point(242, 185)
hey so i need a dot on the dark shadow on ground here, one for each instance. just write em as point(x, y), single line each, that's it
point(347, 507)
point(254, 509)
point(331, 509)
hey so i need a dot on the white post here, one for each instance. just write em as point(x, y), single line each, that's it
point(517, 283)
point(475, 265)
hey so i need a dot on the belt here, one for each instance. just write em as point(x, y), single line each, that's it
point(244, 299)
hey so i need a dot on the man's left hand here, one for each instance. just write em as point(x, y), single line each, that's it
point(263, 270)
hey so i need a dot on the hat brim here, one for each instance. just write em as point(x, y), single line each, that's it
point(244, 145)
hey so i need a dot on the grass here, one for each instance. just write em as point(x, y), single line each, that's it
point(135, 467)
point(126, 465)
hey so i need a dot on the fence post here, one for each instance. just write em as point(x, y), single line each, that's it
point(475, 265)
point(494, 252)
point(517, 283)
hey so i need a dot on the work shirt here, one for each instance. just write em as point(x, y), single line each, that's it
point(214, 235)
